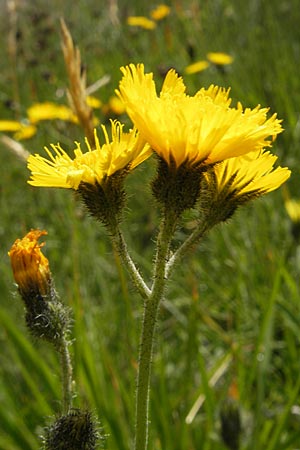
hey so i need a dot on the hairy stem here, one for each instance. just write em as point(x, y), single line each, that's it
point(189, 243)
point(121, 247)
point(67, 370)
point(151, 307)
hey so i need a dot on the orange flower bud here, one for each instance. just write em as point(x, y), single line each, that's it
point(30, 267)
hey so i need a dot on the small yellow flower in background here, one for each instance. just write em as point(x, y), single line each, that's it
point(292, 207)
point(141, 21)
point(25, 132)
point(21, 130)
point(160, 12)
point(200, 130)
point(114, 106)
point(10, 125)
point(123, 150)
point(196, 67)
point(30, 267)
point(219, 58)
point(93, 102)
point(50, 111)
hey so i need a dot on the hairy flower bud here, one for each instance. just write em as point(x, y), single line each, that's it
point(46, 316)
point(76, 430)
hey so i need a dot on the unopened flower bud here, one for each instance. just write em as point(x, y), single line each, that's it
point(76, 430)
point(30, 267)
point(46, 316)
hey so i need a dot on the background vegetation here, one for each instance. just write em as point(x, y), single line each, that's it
point(229, 327)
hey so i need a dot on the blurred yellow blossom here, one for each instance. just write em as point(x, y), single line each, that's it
point(25, 132)
point(160, 12)
point(219, 58)
point(292, 207)
point(10, 125)
point(50, 111)
point(93, 102)
point(202, 129)
point(114, 106)
point(22, 130)
point(141, 21)
point(198, 66)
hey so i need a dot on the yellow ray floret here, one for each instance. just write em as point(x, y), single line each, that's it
point(203, 128)
point(253, 173)
point(123, 150)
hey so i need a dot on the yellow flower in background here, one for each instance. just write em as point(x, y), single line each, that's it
point(10, 125)
point(292, 207)
point(252, 175)
point(93, 102)
point(196, 67)
point(201, 129)
point(30, 267)
point(141, 21)
point(123, 150)
point(25, 132)
point(50, 111)
point(219, 58)
point(114, 106)
point(22, 130)
point(160, 12)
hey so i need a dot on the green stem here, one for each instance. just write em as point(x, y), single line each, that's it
point(121, 247)
point(151, 307)
point(66, 368)
point(190, 242)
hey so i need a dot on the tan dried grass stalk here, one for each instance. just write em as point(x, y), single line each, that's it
point(77, 79)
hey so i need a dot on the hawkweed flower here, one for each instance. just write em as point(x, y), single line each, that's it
point(50, 111)
point(141, 21)
point(190, 133)
point(98, 174)
point(160, 12)
point(292, 206)
point(235, 181)
point(196, 67)
point(46, 317)
point(219, 58)
point(22, 130)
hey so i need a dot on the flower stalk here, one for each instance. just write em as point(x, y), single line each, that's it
point(67, 371)
point(151, 308)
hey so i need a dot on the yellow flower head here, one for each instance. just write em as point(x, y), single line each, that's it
point(219, 58)
point(50, 111)
point(292, 207)
point(235, 181)
point(30, 267)
point(123, 150)
point(196, 67)
point(249, 174)
point(160, 12)
point(141, 21)
point(10, 125)
point(22, 130)
point(201, 129)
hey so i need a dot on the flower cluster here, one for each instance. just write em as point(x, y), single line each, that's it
point(205, 146)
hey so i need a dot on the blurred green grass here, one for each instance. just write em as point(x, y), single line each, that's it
point(237, 296)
